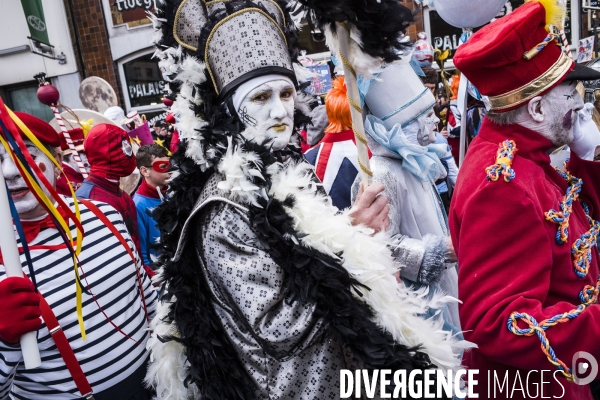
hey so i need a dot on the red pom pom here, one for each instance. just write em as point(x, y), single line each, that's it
point(167, 101)
point(48, 95)
point(170, 118)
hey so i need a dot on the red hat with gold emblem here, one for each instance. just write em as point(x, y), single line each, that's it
point(77, 138)
point(518, 57)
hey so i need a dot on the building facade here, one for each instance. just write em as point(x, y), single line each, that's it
point(111, 39)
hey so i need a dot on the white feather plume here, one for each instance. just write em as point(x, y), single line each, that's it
point(156, 25)
point(167, 369)
point(367, 258)
point(302, 102)
point(239, 168)
point(302, 73)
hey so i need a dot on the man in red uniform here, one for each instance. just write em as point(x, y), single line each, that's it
point(524, 233)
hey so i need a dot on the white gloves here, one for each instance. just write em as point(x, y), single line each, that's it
point(586, 134)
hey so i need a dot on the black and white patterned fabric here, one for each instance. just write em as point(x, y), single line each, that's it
point(282, 346)
point(245, 42)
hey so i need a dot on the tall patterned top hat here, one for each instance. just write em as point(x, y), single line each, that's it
point(207, 49)
point(238, 40)
point(398, 96)
point(522, 54)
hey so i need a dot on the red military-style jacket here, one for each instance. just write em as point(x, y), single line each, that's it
point(509, 261)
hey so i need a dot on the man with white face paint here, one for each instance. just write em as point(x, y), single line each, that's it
point(525, 233)
point(401, 130)
point(266, 106)
point(260, 271)
point(111, 363)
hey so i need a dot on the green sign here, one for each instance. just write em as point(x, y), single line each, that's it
point(34, 14)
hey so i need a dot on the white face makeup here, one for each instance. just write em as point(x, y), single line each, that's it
point(25, 202)
point(269, 110)
point(560, 106)
point(431, 121)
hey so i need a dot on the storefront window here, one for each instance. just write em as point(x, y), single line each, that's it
point(25, 99)
point(144, 81)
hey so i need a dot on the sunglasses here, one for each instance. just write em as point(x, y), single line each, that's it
point(161, 165)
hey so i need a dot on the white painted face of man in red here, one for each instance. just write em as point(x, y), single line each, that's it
point(554, 114)
point(25, 202)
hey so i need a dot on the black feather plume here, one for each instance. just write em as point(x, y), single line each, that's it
point(381, 23)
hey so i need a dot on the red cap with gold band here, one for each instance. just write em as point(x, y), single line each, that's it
point(515, 58)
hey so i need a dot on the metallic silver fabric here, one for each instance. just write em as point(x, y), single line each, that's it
point(245, 42)
point(282, 346)
point(407, 252)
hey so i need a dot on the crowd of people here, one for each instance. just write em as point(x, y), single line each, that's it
point(234, 249)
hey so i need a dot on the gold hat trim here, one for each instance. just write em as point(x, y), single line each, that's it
point(224, 20)
point(207, 4)
point(533, 88)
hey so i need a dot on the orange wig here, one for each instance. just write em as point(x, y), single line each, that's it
point(338, 107)
point(454, 86)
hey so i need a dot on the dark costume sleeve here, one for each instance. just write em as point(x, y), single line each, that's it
point(506, 266)
point(248, 282)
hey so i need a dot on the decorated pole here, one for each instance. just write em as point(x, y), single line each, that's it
point(12, 265)
point(355, 108)
point(561, 29)
point(463, 106)
point(48, 95)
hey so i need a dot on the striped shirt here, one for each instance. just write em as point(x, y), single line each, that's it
point(106, 356)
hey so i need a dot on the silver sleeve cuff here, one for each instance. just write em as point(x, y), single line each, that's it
point(409, 254)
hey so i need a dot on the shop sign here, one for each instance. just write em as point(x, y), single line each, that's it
point(131, 12)
point(144, 81)
point(146, 89)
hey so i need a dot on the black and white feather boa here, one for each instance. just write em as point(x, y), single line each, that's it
point(308, 233)
point(342, 269)
point(363, 255)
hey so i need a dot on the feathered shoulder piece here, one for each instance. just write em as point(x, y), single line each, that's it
point(376, 28)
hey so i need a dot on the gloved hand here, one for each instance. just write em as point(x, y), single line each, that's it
point(586, 134)
point(19, 309)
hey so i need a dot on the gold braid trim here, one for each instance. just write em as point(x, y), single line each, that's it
point(360, 137)
point(348, 65)
point(365, 169)
point(354, 105)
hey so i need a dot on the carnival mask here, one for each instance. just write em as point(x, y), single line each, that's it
point(430, 124)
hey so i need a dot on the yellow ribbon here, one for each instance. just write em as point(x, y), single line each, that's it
point(50, 206)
